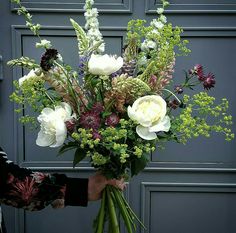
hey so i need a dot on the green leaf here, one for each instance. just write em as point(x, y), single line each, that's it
point(67, 147)
point(138, 165)
point(79, 155)
point(83, 43)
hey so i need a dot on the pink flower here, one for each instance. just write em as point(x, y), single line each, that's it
point(97, 108)
point(25, 190)
point(112, 120)
point(96, 135)
point(10, 178)
point(70, 125)
point(209, 81)
point(197, 70)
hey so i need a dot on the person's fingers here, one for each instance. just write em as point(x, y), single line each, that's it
point(117, 183)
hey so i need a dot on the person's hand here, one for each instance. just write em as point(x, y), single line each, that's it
point(98, 182)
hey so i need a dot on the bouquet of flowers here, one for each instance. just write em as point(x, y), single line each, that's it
point(114, 110)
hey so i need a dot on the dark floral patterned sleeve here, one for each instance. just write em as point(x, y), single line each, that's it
point(22, 188)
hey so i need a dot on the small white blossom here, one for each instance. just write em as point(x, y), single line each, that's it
point(142, 61)
point(163, 19)
point(30, 75)
point(91, 13)
point(160, 11)
point(59, 57)
point(148, 44)
point(44, 44)
point(157, 24)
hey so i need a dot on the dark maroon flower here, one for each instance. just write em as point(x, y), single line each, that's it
point(70, 125)
point(90, 120)
point(197, 70)
point(179, 89)
point(47, 59)
point(112, 120)
point(97, 108)
point(209, 81)
point(173, 104)
point(96, 135)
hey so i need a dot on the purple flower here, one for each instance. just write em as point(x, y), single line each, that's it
point(82, 65)
point(96, 135)
point(173, 104)
point(197, 70)
point(112, 120)
point(179, 89)
point(47, 59)
point(209, 81)
point(70, 125)
point(90, 120)
point(97, 108)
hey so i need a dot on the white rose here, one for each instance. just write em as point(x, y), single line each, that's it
point(53, 129)
point(104, 64)
point(150, 113)
point(31, 74)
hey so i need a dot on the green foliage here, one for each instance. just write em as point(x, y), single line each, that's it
point(201, 117)
point(136, 30)
point(79, 155)
point(31, 93)
point(24, 62)
point(83, 43)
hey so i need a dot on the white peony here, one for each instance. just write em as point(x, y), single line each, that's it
point(53, 129)
point(150, 113)
point(31, 74)
point(104, 64)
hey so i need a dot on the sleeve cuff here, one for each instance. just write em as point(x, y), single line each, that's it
point(76, 192)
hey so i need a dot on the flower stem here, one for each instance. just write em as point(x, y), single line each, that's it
point(122, 207)
point(172, 94)
point(101, 214)
point(112, 212)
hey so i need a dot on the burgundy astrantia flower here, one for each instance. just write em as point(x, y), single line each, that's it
point(47, 59)
point(197, 70)
point(112, 120)
point(97, 108)
point(173, 104)
point(70, 125)
point(90, 120)
point(96, 135)
point(179, 89)
point(209, 81)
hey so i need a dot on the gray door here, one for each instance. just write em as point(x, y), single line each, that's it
point(185, 189)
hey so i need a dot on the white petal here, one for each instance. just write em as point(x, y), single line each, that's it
point(44, 139)
point(67, 107)
point(131, 113)
point(61, 133)
point(163, 125)
point(144, 133)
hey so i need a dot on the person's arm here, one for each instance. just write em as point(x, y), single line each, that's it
point(22, 188)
